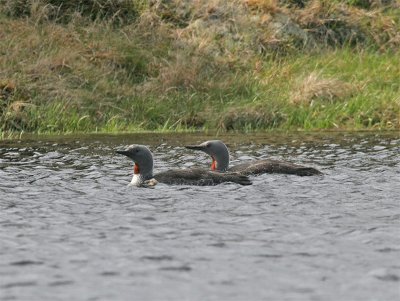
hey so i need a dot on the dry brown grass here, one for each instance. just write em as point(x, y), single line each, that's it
point(266, 6)
point(184, 72)
point(314, 12)
point(338, 23)
point(212, 44)
point(7, 86)
point(248, 118)
point(316, 87)
point(118, 12)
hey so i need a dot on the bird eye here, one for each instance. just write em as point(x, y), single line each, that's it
point(208, 145)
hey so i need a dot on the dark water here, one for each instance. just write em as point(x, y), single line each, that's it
point(70, 228)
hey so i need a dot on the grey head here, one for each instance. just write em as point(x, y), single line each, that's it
point(143, 159)
point(218, 152)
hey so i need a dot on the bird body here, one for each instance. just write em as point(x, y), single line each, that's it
point(199, 177)
point(259, 167)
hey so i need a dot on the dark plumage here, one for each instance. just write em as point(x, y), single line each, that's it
point(200, 177)
point(273, 166)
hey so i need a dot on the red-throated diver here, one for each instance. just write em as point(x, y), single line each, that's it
point(220, 162)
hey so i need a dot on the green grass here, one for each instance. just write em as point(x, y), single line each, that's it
point(253, 106)
point(374, 103)
point(94, 76)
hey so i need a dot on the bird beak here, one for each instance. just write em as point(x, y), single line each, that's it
point(195, 147)
point(121, 152)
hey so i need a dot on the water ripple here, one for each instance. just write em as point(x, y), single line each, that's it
point(70, 226)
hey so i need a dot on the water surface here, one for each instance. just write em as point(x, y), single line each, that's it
point(71, 229)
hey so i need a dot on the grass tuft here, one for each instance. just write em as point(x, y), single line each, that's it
point(314, 87)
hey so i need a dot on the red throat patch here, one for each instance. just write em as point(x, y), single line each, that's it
point(213, 163)
point(136, 169)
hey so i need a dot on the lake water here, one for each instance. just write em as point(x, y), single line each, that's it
point(71, 228)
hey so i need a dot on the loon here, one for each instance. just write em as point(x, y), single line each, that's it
point(220, 162)
point(143, 172)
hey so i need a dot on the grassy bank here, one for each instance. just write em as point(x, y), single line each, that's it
point(177, 65)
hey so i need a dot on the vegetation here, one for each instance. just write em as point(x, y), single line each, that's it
point(108, 66)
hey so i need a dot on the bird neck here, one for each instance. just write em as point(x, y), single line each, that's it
point(136, 169)
point(141, 172)
point(213, 163)
point(220, 161)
